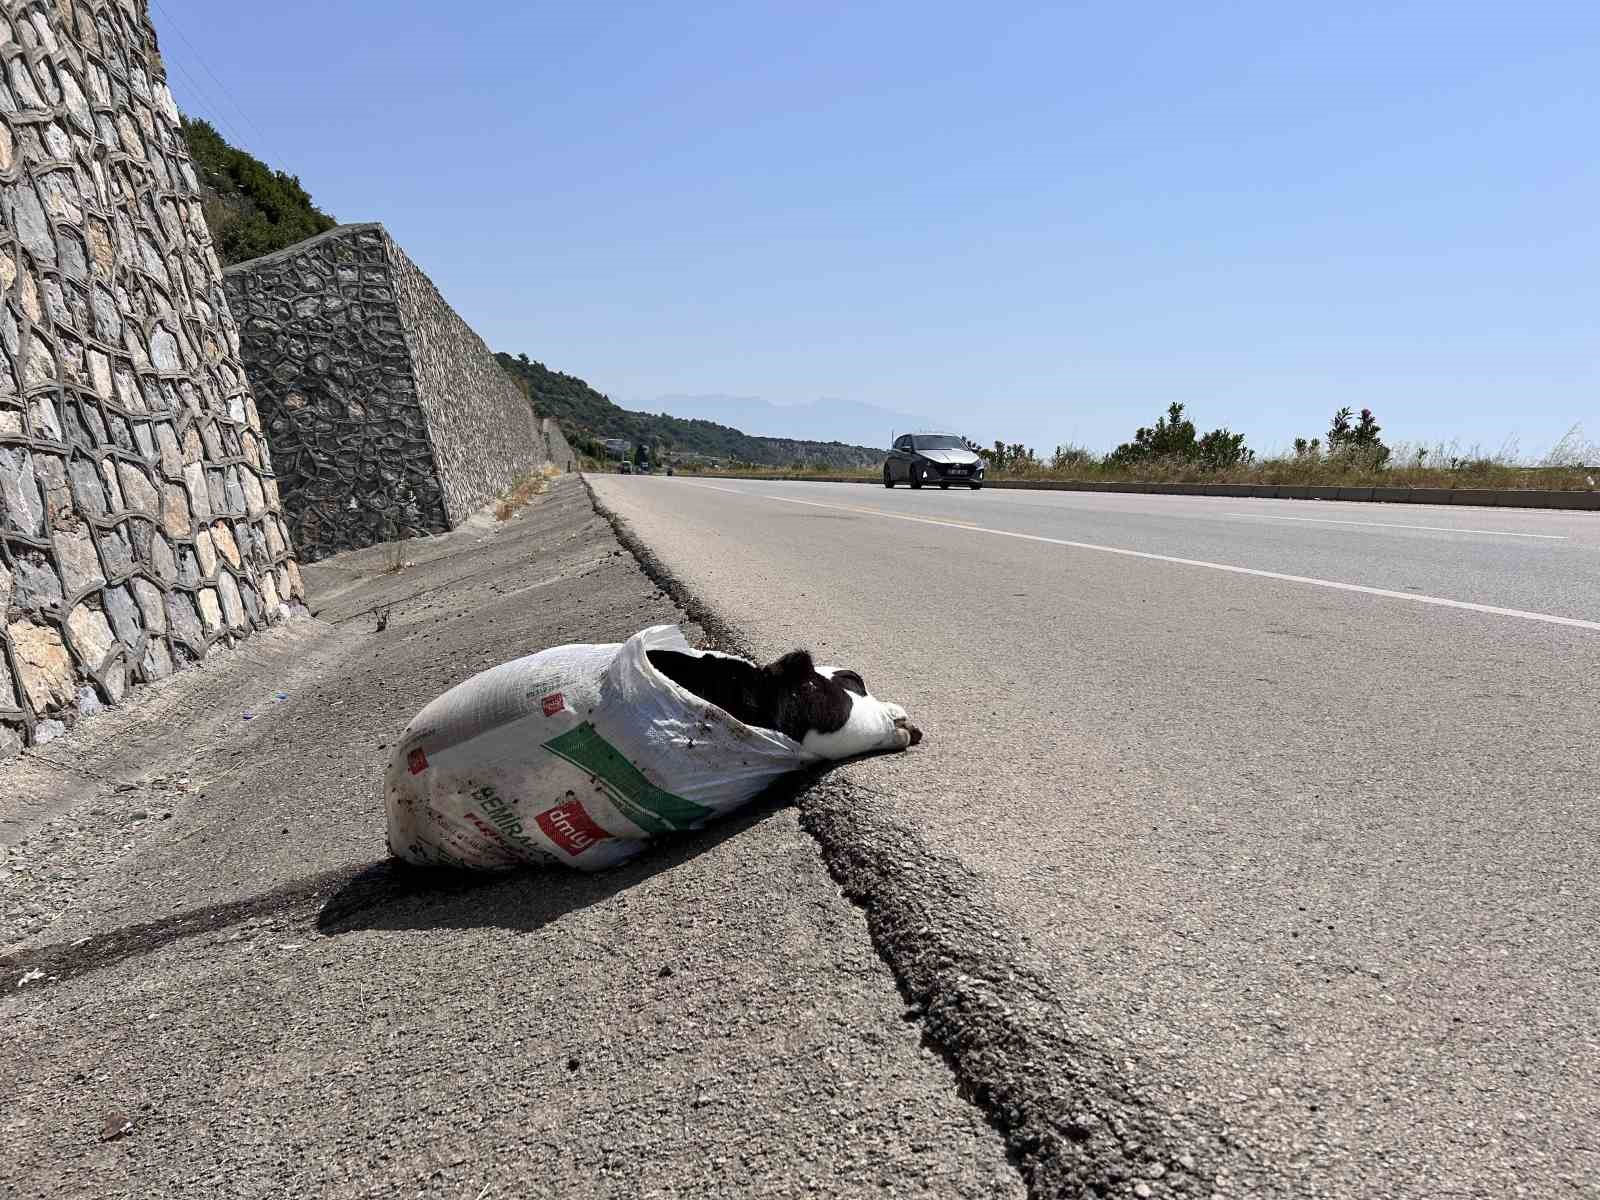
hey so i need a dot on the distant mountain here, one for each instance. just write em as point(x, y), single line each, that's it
point(587, 416)
point(822, 420)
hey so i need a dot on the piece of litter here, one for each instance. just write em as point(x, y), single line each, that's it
point(291, 945)
point(281, 696)
point(249, 716)
point(83, 941)
point(31, 977)
point(116, 1125)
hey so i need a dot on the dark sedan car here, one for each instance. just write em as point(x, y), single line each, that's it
point(941, 458)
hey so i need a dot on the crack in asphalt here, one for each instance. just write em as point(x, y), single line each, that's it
point(1076, 1118)
point(1074, 1115)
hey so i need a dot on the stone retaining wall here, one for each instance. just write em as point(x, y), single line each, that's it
point(139, 518)
point(555, 444)
point(388, 416)
point(486, 435)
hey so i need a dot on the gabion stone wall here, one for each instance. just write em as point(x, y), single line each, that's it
point(139, 519)
point(555, 444)
point(486, 435)
point(388, 416)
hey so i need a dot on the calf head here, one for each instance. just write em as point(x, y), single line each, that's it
point(827, 710)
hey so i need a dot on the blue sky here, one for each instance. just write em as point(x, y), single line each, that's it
point(1035, 223)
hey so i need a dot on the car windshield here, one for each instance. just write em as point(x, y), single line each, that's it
point(937, 441)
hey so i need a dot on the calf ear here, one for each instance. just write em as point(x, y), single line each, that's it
point(793, 666)
point(850, 682)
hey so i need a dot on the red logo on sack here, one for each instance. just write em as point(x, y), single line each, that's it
point(571, 828)
point(417, 761)
point(554, 704)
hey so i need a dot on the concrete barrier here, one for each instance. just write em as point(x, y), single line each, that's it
point(1482, 497)
point(1567, 499)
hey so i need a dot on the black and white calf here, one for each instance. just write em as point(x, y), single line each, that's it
point(826, 709)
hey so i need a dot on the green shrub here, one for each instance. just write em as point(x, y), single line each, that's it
point(250, 209)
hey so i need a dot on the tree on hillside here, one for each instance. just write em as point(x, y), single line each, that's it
point(584, 412)
point(250, 208)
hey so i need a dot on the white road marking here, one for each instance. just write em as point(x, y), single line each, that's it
point(1549, 537)
point(1333, 584)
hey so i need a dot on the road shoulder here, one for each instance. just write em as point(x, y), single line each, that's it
point(236, 995)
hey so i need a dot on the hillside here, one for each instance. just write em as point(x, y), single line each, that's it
point(586, 415)
point(825, 419)
point(250, 209)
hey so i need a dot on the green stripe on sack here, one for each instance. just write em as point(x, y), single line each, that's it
point(649, 807)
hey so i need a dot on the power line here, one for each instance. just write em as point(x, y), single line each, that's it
point(221, 87)
point(205, 98)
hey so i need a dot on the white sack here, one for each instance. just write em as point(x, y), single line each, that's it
point(574, 755)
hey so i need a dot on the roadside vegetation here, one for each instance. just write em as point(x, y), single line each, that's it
point(250, 208)
point(1351, 453)
point(518, 495)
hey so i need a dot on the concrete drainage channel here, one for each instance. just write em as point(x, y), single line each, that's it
point(1473, 497)
point(1076, 1120)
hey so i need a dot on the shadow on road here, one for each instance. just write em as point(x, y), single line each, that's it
point(390, 894)
point(393, 895)
point(387, 894)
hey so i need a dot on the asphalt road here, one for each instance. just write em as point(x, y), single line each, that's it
point(1298, 803)
point(213, 985)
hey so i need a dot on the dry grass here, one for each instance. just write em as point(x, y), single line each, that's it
point(397, 560)
point(524, 490)
point(1417, 472)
